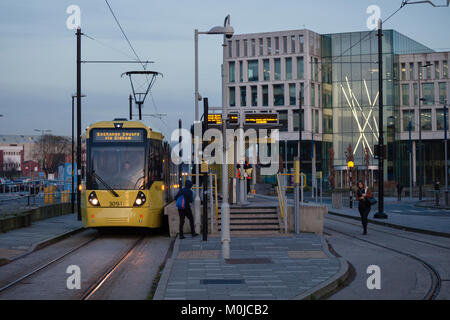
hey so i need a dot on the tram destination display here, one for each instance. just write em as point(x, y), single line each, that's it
point(118, 135)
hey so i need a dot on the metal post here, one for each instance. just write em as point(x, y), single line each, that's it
point(380, 213)
point(445, 153)
point(410, 160)
point(197, 178)
point(180, 167)
point(225, 209)
point(211, 201)
point(72, 196)
point(420, 140)
point(205, 174)
point(296, 193)
point(79, 123)
point(350, 184)
point(131, 107)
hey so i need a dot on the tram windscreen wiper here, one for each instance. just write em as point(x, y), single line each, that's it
point(105, 184)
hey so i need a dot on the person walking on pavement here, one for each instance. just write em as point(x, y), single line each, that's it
point(363, 194)
point(184, 198)
point(437, 190)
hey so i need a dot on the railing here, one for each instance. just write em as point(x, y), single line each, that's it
point(212, 188)
point(282, 201)
point(16, 197)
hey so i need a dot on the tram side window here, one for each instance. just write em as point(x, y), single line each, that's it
point(155, 161)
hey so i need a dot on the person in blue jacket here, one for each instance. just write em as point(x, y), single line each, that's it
point(187, 193)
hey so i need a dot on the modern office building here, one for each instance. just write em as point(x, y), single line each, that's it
point(338, 77)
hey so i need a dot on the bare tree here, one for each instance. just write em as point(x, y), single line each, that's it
point(349, 156)
point(366, 163)
point(51, 151)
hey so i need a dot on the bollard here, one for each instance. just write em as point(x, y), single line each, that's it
point(296, 194)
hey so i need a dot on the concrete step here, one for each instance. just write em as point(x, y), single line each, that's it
point(252, 216)
point(253, 228)
point(252, 210)
point(251, 233)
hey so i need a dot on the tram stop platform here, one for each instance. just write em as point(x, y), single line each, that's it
point(271, 267)
point(18, 242)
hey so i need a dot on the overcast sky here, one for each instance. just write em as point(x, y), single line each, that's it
point(37, 51)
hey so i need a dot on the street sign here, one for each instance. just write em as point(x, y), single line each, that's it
point(261, 118)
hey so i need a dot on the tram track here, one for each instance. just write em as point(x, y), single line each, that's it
point(434, 288)
point(95, 285)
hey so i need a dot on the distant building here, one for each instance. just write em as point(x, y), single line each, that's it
point(12, 158)
point(29, 142)
point(337, 74)
point(31, 168)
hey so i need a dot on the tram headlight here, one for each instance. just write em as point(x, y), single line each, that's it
point(93, 200)
point(140, 199)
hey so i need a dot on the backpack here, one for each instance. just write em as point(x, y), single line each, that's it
point(180, 202)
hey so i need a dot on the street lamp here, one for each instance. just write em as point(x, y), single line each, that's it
point(42, 131)
point(350, 166)
point(227, 31)
point(420, 132)
point(72, 160)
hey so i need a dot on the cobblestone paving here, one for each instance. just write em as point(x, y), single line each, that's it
point(291, 270)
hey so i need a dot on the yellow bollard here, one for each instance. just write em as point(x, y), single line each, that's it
point(46, 195)
point(296, 171)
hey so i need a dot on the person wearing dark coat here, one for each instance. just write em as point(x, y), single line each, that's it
point(187, 193)
point(362, 195)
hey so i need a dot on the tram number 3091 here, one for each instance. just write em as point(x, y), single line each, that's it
point(115, 204)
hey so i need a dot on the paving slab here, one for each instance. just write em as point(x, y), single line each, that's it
point(284, 267)
point(20, 241)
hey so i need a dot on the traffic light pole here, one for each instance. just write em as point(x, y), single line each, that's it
point(380, 214)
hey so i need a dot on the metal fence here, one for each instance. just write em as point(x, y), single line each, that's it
point(16, 197)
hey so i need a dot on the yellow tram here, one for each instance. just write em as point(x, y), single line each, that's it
point(126, 168)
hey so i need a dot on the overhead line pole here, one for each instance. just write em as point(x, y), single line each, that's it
point(79, 123)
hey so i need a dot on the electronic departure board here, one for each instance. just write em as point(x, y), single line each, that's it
point(261, 118)
point(117, 135)
point(216, 118)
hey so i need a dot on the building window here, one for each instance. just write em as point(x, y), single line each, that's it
point(288, 63)
point(425, 119)
point(254, 95)
point(277, 45)
point(444, 69)
point(292, 94)
point(408, 115)
point(411, 71)
point(253, 41)
point(265, 95)
point(285, 44)
point(436, 70)
point(243, 91)
point(232, 96)
point(230, 49)
point(302, 90)
point(415, 94)
point(278, 94)
point(237, 49)
point(313, 95)
point(405, 94)
point(428, 70)
point(403, 71)
point(296, 120)
point(300, 68)
point(252, 70)
point(241, 71)
point(266, 66)
point(316, 121)
point(316, 69)
point(440, 119)
point(245, 47)
point(293, 44)
point(261, 46)
point(442, 92)
point(277, 74)
point(301, 40)
point(269, 46)
point(428, 93)
point(232, 72)
point(283, 120)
